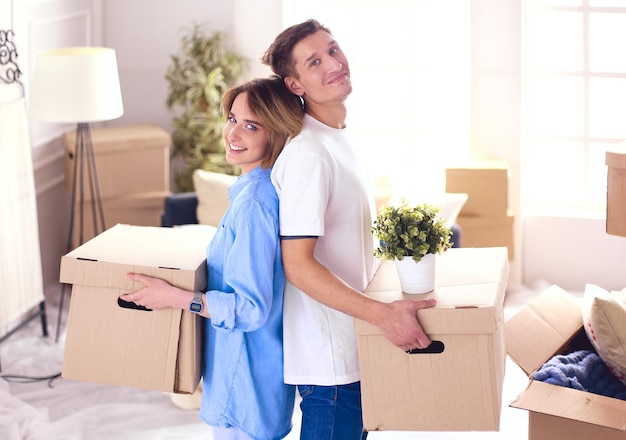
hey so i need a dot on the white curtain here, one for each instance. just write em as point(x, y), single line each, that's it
point(21, 281)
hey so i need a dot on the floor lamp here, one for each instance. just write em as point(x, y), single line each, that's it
point(78, 85)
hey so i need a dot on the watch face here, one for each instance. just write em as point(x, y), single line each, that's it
point(195, 307)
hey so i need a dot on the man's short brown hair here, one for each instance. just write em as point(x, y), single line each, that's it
point(279, 56)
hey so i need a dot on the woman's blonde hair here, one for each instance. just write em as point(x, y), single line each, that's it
point(277, 108)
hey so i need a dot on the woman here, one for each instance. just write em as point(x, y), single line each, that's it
point(243, 395)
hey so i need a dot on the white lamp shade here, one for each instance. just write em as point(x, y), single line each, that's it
point(76, 84)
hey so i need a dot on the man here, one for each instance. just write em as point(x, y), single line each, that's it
point(325, 226)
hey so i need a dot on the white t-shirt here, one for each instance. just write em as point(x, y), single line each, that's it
point(323, 193)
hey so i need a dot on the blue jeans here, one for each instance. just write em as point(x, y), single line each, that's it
point(331, 412)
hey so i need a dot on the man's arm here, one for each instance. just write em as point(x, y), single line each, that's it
point(397, 320)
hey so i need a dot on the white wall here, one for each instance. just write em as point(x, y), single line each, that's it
point(255, 26)
point(144, 34)
point(571, 252)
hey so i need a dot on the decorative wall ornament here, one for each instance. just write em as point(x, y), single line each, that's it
point(9, 70)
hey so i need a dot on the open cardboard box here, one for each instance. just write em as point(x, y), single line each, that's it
point(552, 324)
point(113, 343)
point(458, 388)
point(616, 190)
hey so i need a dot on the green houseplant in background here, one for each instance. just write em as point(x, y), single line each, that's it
point(197, 77)
point(415, 232)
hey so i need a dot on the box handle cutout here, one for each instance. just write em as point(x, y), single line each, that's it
point(131, 305)
point(435, 347)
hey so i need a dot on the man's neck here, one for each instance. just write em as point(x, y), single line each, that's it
point(334, 116)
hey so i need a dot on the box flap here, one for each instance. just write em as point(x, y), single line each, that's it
point(616, 156)
point(540, 329)
point(174, 254)
point(544, 398)
point(190, 351)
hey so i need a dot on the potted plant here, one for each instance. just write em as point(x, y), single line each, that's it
point(415, 232)
point(197, 77)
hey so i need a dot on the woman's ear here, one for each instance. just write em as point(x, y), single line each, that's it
point(294, 86)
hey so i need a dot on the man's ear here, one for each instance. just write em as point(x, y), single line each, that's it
point(294, 86)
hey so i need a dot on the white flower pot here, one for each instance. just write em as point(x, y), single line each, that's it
point(416, 278)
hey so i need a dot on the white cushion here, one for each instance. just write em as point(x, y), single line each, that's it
point(212, 191)
point(604, 319)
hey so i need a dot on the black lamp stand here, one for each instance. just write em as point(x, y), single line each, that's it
point(85, 174)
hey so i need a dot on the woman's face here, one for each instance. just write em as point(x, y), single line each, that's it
point(245, 137)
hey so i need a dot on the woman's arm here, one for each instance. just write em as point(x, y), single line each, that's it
point(159, 294)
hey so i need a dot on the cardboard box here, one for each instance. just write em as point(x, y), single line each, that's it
point(616, 191)
point(483, 231)
point(459, 389)
point(552, 324)
point(110, 344)
point(143, 209)
point(485, 182)
point(129, 159)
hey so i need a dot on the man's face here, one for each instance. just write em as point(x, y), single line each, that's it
point(322, 68)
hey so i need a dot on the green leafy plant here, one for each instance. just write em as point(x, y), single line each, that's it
point(410, 231)
point(197, 77)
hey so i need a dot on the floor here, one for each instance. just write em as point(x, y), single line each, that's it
point(54, 409)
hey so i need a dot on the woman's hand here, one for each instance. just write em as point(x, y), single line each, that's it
point(157, 294)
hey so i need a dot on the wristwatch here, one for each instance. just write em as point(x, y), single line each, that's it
point(195, 305)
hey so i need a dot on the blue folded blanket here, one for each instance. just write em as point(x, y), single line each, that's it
point(582, 370)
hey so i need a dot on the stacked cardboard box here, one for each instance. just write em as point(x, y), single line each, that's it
point(112, 342)
point(457, 385)
point(133, 172)
point(616, 191)
point(485, 220)
point(552, 324)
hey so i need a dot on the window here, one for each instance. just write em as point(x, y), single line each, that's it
point(409, 60)
point(575, 89)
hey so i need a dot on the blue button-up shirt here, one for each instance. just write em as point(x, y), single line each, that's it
point(243, 364)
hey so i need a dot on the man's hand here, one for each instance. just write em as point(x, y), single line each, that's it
point(397, 320)
point(400, 325)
